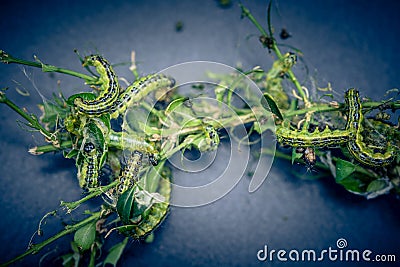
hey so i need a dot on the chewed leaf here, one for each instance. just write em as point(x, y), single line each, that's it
point(268, 103)
point(354, 178)
point(144, 221)
point(378, 187)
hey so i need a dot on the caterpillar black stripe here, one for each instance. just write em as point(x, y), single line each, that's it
point(109, 88)
point(359, 150)
point(130, 172)
point(89, 172)
point(138, 90)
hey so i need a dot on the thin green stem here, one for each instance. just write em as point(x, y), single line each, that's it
point(38, 150)
point(67, 230)
point(7, 59)
point(246, 13)
point(182, 145)
point(32, 119)
point(274, 46)
point(319, 108)
point(93, 193)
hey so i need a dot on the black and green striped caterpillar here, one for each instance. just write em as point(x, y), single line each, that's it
point(303, 138)
point(89, 172)
point(138, 90)
point(111, 100)
point(131, 142)
point(92, 154)
point(351, 136)
point(359, 150)
point(109, 88)
point(211, 140)
point(129, 174)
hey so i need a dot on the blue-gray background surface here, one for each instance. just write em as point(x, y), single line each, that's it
point(349, 43)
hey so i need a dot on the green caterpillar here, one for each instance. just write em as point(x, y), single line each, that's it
point(360, 151)
point(351, 136)
point(109, 89)
point(110, 99)
point(138, 90)
point(89, 172)
point(92, 153)
point(303, 138)
point(130, 172)
point(211, 140)
point(122, 140)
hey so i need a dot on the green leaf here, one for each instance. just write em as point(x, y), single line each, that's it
point(150, 181)
point(70, 260)
point(71, 154)
point(344, 169)
point(296, 155)
point(149, 238)
point(97, 136)
point(135, 203)
point(85, 96)
point(257, 127)
point(114, 254)
point(105, 118)
point(376, 185)
point(347, 175)
point(352, 184)
point(85, 236)
point(125, 203)
point(220, 91)
point(268, 103)
point(174, 104)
